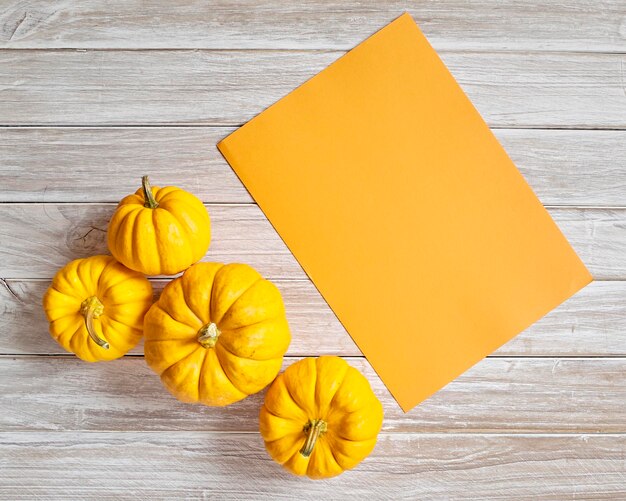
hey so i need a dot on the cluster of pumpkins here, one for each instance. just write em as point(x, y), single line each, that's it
point(216, 335)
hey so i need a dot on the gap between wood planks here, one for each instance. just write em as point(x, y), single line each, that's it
point(174, 125)
point(348, 357)
point(248, 204)
point(311, 50)
point(431, 434)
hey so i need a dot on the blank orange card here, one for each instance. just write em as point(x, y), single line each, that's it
point(405, 212)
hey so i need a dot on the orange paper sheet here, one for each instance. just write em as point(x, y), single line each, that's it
point(405, 211)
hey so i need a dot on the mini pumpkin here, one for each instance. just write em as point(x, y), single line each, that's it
point(217, 334)
point(96, 306)
point(320, 417)
point(159, 231)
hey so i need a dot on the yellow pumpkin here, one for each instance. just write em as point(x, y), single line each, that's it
point(217, 334)
point(320, 417)
point(96, 306)
point(159, 231)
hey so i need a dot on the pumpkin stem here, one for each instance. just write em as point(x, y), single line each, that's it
point(207, 336)
point(148, 196)
point(92, 308)
point(313, 430)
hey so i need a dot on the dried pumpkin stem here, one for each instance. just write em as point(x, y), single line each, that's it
point(92, 308)
point(313, 430)
point(207, 336)
point(148, 196)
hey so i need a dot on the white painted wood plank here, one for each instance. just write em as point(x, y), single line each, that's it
point(38, 239)
point(564, 167)
point(104, 164)
point(510, 89)
point(591, 323)
point(235, 466)
point(493, 24)
point(498, 394)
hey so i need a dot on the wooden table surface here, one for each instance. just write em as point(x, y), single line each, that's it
point(95, 93)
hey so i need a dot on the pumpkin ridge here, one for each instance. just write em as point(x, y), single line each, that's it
point(62, 316)
point(238, 298)
point(184, 253)
point(281, 378)
point(200, 374)
point(279, 417)
point(56, 336)
point(288, 390)
point(343, 437)
point(268, 319)
point(311, 463)
point(176, 194)
point(87, 349)
point(337, 437)
point(90, 345)
point(295, 435)
point(228, 333)
point(130, 301)
point(74, 341)
point(180, 197)
point(157, 305)
point(332, 453)
point(100, 279)
point(161, 193)
point(184, 294)
point(177, 293)
point(118, 293)
point(198, 210)
point(132, 199)
point(177, 362)
point(118, 227)
point(343, 380)
point(157, 235)
point(194, 348)
point(54, 287)
point(182, 225)
point(99, 284)
point(112, 237)
point(217, 354)
point(134, 252)
point(230, 351)
point(253, 360)
point(187, 287)
point(68, 337)
point(84, 274)
point(112, 320)
point(346, 367)
point(139, 253)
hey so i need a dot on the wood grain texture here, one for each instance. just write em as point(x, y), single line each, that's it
point(38, 239)
point(591, 323)
point(485, 24)
point(564, 167)
point(235, 466)
point(497, 394)
point(544, 417)
point(47, 87)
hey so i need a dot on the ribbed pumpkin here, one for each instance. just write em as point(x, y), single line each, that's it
point(320, 417)
point(96, 307)
point(217, 334)
point(159, 231)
